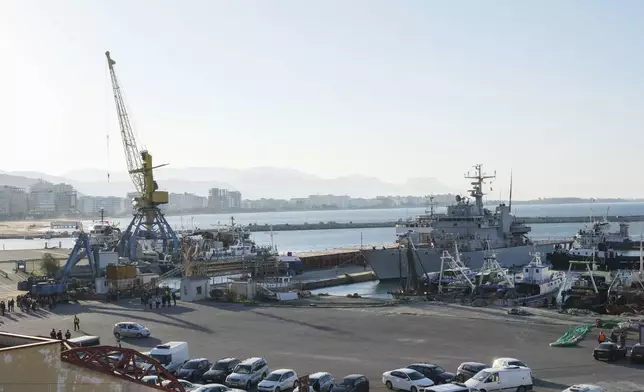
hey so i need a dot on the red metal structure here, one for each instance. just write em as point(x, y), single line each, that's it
point(121, 362)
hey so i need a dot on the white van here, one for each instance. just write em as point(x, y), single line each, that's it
point(498, 379)
point(171, 355)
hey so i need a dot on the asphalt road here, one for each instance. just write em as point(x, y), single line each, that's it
point(343, 341)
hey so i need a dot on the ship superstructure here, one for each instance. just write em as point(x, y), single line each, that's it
point(467, 224)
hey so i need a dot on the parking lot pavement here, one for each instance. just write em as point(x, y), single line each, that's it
point(340, 341)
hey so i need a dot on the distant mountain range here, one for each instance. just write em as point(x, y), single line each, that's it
point(253, 183)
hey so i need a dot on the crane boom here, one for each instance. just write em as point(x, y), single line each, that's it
point(132, 154)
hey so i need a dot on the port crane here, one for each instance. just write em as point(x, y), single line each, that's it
point(148, 222)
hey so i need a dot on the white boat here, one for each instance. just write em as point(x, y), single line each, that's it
point(538, 278)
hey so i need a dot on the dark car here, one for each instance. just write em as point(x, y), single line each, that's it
point(219, 371)
point(352, 383)
point(194, 369)
point(434, 372)
point(637, 353)
point(609, 351)
point(467, 370)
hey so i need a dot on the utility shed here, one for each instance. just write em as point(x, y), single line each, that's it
point(194, 288)
point(34, 364)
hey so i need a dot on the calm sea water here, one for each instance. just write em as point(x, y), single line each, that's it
point(309, 240)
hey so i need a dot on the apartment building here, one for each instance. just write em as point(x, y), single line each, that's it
point(92, 205)
point(13, 202)
point(41, 199)
point(186, 202)
point(64, 198)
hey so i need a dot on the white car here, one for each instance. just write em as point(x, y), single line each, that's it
point(187, 385)
point(406, 380)
point(216, 388)
point(278, 380)
point(584, 388)
point(507, 362)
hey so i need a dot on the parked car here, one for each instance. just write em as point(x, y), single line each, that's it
point(467, 370)
point(187, 385)
point(216, 388)
point(129, 329)
point(154, 380)
point(509, 362)
point(247, 373)
point(220, 370)
point(278, 380)
point(194, 369)
point(637, 353)
point(405, 379)
point(609, 351)
point(434, 372)
point(319, 382)
point(352, 383)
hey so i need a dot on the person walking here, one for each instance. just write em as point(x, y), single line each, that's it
point(174, 298)
point(76, 323)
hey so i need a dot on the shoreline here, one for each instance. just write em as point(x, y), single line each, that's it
point(36, 229)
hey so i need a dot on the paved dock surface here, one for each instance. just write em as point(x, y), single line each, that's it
point(32, 254)
point(344, 341)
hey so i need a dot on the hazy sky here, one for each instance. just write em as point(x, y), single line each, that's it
point(394, 89)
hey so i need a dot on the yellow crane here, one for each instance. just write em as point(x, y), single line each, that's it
point(148, 222)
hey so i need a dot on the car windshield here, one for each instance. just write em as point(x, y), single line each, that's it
point(516, 363)
point(481, 376)
point(163, 359)
point(242, 369)
point(438, 369)
point(273, 377)
point(606, 345)
point(220, 366)
point(138, 326)
point(415, 376)
point(191, 365)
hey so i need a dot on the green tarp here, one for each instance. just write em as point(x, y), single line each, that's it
point(573, 336)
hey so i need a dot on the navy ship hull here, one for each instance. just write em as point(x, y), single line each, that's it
point(607, 261)
point(390, 264)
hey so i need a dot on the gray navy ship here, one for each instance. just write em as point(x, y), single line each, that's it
point(467, 225)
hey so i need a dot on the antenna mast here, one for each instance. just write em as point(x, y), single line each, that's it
point(510, 201)
point(477, 185)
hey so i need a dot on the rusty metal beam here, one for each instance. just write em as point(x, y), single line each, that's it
point(101, 359)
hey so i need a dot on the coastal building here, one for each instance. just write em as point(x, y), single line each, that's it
point(92, 205)
point(64, 198)
point(326, 201)
point(186, 202)
point(13, 202)
point(234, 199)
point(42, 199)
point(223, 199)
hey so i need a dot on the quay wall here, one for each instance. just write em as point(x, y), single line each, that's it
point(368, 225)
point(339, 280)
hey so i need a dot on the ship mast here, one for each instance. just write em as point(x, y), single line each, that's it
point(431, 205)
point(477, 185)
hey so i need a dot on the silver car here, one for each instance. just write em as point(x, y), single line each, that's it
point(130, 329)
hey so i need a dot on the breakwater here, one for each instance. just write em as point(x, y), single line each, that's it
point(367, 225)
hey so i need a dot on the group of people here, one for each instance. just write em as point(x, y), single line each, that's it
point(59, 335)
point(614, 337)
point(25, 303)
point(162, 297)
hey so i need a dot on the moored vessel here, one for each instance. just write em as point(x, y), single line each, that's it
point(467, 224)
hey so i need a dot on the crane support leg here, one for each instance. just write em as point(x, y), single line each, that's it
point(149, 224)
